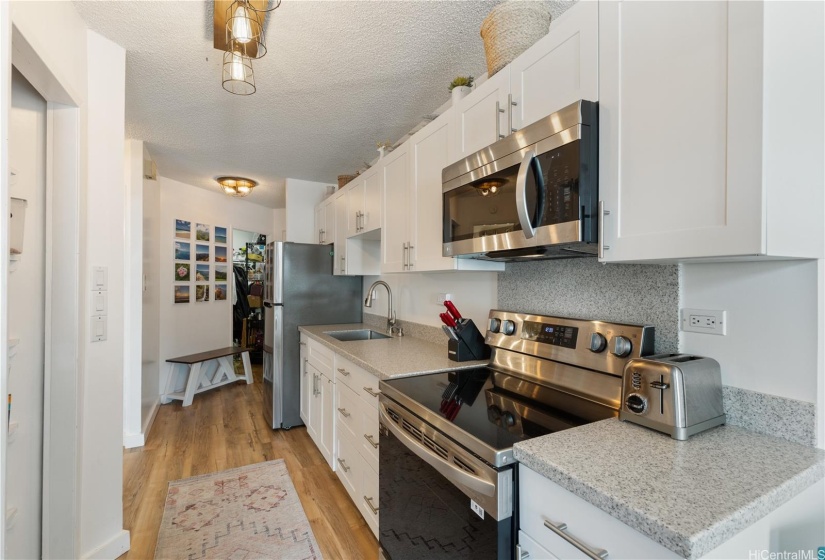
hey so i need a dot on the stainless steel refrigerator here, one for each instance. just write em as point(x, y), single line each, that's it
point(299, 289)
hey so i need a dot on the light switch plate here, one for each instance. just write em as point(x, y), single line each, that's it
point(99, 303)
point(100, 278)
point(97, 329)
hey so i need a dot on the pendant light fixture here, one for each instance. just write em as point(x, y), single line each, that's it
point(238, 76)
point(236, 186)
point(245, 29)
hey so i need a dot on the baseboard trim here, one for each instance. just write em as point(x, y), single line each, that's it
point(151, 418)
point(139, 440)
point(133, 440)
point(111, 549)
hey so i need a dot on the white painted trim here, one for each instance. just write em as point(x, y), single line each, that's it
point(150, 419)
point(820, 356)
point(112, 548)
point(130, 441)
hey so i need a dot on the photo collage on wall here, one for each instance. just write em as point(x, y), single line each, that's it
point(200, 262)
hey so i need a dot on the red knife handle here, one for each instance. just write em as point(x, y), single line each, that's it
point(453, 311)
point(447, 320)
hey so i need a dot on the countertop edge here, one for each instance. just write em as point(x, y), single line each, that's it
point(688, 546)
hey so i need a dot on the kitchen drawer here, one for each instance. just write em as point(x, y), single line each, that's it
point(531, 550)
point(543, 500)
point(348, 411)
point(369, 435)
point(320, 356)
point(358, 379)
point(349, 465)
point(368, 500)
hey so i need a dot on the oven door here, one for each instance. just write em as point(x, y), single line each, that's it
point(437, 500)
point(542, 195)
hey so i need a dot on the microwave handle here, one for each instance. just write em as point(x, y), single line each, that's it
point(521, 194)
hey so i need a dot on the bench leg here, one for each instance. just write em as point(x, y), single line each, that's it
point(192, 383)
point(247, 367)
point(170, 384)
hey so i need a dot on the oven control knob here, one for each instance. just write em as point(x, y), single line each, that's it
point(508, 327)
point(508, 420)
point(636, 403)
point(495, 325)
point(493, 413)
point(597, 342)
point(621, 346)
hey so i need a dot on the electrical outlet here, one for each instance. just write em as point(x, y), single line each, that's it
point(707, 321)
point(441, 298)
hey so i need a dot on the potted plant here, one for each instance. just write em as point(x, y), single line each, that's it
point(460, 87)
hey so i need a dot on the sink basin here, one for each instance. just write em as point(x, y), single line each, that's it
point(362, 334)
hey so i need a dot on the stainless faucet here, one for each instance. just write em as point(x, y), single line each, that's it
point(392, 329)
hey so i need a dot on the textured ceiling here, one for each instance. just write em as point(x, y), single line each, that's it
point(338, 76)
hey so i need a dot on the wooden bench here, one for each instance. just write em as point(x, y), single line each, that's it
point(200, 378)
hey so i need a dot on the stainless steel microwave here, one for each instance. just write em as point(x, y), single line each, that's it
point(532, 195)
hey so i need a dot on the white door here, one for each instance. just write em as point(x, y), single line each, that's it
point(372, 200)
point(341, 209)
point(559, 69)
point(481, 117)
point(428, 156)
point(395, 239)
point(667, 76)
point(355, 206)
point(329, 221)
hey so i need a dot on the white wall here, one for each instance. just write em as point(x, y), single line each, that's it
point(150, 335)
point(186, 328)
point(414, 295)
point(301, 199)
point(133, 288)
point(279, 229)
point(26, 316)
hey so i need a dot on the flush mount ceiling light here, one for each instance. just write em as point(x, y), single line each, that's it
point(236, 186)
point(489, 186)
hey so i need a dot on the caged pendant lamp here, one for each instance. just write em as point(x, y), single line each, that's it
point(238, 76)
point(245, 29)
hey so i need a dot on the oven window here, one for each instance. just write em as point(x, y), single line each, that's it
point(488, 206)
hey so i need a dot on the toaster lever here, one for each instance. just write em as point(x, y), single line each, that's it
point(659, 385)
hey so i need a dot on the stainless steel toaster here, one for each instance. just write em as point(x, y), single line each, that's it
point(677, 394)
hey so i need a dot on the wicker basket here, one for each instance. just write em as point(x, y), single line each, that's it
point(510, 29)
point(344, 179)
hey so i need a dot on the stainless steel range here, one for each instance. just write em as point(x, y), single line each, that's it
point(447, 482)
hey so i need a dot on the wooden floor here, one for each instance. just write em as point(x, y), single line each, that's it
point(223, 429)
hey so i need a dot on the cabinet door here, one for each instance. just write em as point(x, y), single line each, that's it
point(372, 201)
point(480, 118)
point(326, 443)
point(341, 209)
point(355, 206)
point(559, 69)
point(329, 221)
point(528, 548)
point(306, 383)
point(428, 156)
point(671, 76)
point(320, 221)
point(395, 215)
point(314, 405)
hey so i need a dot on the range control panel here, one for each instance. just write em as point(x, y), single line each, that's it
point(548, 333)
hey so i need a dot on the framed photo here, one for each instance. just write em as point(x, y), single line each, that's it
point(220, 273)
point(220, 292)
point(202, 292)
point(202, 232)
point(220, 254)
point(182, 251)
point(182, 294)
point(202, 252)
point(220, 234)
point(183, 229)
point(182, 272)
point(202, 272)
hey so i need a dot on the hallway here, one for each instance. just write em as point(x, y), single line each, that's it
point(224, 429)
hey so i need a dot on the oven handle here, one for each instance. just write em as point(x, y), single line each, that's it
point(524, 218)
point(451, 473)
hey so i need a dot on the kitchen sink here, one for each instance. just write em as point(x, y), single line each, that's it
point(361, 334)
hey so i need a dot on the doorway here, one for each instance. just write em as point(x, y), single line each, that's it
point(248, 250)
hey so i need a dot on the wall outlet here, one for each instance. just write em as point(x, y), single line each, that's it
point(441, 298)
point(707, 321)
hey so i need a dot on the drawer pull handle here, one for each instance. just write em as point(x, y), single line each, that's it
point(344, 412)
point(521, 554)
point(561, 530)
point(371, 392)
point(369, 439)
point(342, 371)
point(343, 465)
point(372, 507)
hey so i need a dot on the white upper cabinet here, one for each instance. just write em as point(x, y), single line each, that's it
point(364, 202)
point(320, 222)
point(355, 205)
point(395, 230)
point(709, 129)
point(481, 117)
point(560, 69)
point(325, 221)
point(341, 210)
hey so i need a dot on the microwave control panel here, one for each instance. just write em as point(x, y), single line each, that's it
point(545, 333)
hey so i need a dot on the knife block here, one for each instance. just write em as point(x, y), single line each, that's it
point(470, 344)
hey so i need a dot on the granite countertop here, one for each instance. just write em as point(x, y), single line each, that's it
point(689, 496)
point(391, 357)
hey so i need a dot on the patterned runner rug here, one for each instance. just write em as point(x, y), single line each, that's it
point(247, 513)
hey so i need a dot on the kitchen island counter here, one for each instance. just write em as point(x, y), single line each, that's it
point(391, 357)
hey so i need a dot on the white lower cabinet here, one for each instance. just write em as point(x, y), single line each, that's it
point(318, 396)
point(529, 549)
